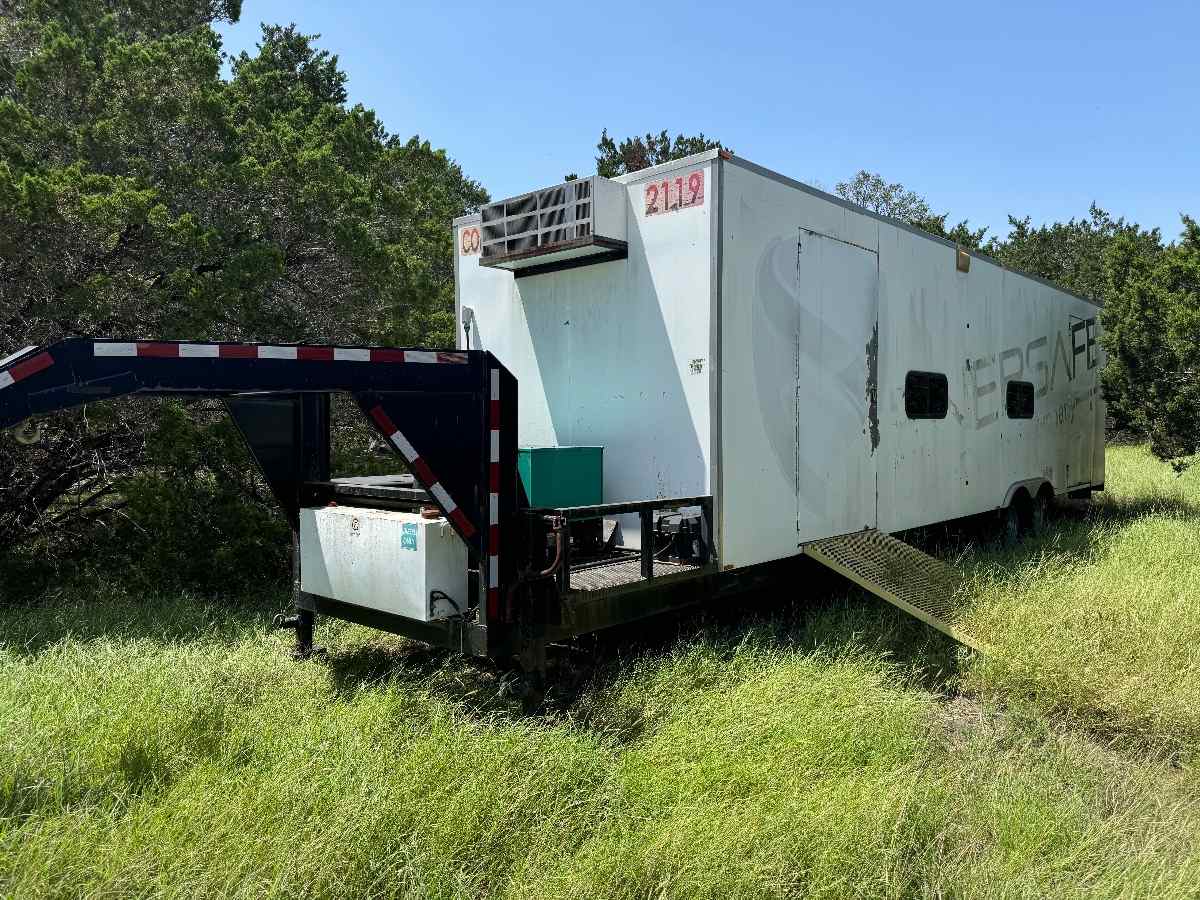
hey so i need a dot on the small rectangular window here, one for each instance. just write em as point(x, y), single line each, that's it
point(926, 395)
point(1019, 399)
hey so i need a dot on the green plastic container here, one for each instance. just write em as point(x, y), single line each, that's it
point(562, 476)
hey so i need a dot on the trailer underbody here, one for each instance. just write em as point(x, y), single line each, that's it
point(535, 575)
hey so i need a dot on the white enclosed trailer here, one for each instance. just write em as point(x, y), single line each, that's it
point(818, 369)
point(755, 371)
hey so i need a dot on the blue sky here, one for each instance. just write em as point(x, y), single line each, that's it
point(1032, 108)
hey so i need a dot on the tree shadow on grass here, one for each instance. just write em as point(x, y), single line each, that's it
point(96, 613)
point(390, 661)
point(1074, 532)
point(815, 610)
point(818, 611)
point(1120, 510)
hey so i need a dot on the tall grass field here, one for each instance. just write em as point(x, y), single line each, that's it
point(820, 745)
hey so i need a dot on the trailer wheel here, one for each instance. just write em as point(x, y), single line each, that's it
point(1018, 518)
point(533, 695)
point(527, 687)
point(1039, 513)
point(1010, 525)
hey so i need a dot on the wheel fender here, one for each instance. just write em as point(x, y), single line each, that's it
point(1032, 485)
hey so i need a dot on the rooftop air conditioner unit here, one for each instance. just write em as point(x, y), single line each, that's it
point(576, 220)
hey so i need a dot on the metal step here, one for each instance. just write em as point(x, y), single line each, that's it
point(901, 574)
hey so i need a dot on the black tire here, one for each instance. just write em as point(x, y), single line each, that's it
point(1010, 526)
point(533, 694)
point(1039, 514)
point(528, 688)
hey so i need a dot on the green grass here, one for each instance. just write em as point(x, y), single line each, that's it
point(172, 749)
point(1099, 622)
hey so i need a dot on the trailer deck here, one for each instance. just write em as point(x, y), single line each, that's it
point(626, 571)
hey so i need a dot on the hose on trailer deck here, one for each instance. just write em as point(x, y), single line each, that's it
point(556, 526)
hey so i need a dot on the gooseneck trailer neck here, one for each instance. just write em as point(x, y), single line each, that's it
point(451, 415)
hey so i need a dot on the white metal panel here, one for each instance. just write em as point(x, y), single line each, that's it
point(620, 354)
point(382, 559)
point(837, 355)
point(981, 328)
point(798, 317)
point(921, 328)
point(497, 323)
point(613, 354)
point(609, 209)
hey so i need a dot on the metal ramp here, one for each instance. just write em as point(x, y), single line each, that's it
point(901, 574)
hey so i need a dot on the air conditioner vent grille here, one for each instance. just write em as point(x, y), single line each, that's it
point(541, 219)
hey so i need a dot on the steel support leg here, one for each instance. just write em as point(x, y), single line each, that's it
point(305, 619)
point(531, 662)
point(647, 521)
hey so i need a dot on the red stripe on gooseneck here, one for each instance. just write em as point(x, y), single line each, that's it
point(459, 518)
point(386, 425)
point(157, 348)
point(317, 354)
point(31, 366)
point(424, 474)
point(387, 356)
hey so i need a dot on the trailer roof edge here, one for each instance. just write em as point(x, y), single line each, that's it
point(682, 162)
point(920, 232)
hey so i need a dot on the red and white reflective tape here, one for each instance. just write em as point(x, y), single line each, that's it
point(493, 582)
point(175, 350)
point(21, 370)
point(422, 471)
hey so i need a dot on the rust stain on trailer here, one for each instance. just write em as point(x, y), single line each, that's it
point(873, 386)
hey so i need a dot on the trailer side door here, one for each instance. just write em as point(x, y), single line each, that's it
point(836, 357)
point(798, 312)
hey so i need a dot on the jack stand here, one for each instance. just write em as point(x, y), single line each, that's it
point(302, 621)
point(532, 664)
